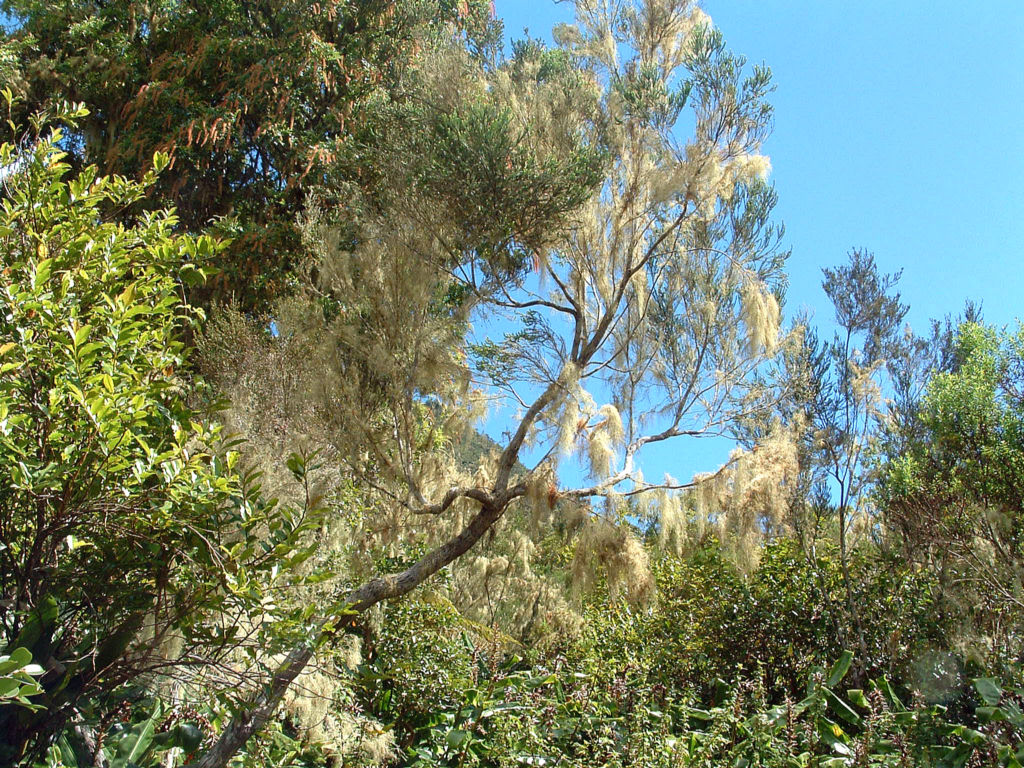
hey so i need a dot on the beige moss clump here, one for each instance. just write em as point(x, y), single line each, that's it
point(594, 433)
point(747, 501)
point(541, 496)
point(500, 592)
point(316, 705)
point(760, 315)
point(674, 529)
point(611, 550)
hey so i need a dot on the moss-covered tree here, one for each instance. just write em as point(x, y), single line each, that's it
point(641, 312)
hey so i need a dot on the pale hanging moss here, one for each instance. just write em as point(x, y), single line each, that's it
point(388, 340)
point(748, 500)
point(660, 32)
point(569, 427)
point(673, 522)
point(567, 406)
point(350, 652)
point(760, 315)
point(608, 549)
point(604, 285)
point(500, 589)
point(600, 453)
point(611, 423)
point(864, 386)
point(541, 496)
point(698, 522)
point(315, 704)
point(749, 168)
point(566, 35)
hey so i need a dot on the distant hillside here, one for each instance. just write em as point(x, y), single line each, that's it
point(475, 445)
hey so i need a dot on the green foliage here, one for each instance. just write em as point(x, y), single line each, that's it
point(827, 728)
point(975, 423)
point(712, 622)
point(432, 182)
point(953, 498)
point(124, 526)
point(647, 687)
point(503, 194)
point(18, 678)
point(597, 709)
point(578, 716)
point(253, 104)
point(105, 478)
point(142, 740)
point(421, 664)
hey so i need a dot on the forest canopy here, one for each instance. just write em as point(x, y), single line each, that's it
point(267, 267)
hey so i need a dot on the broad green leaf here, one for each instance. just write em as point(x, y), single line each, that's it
point(136, 741)
point(43, 269)
point(988, 689)
point(457, 737)
point(857, 698)
point(839, 669)
point(990, 714)
point(841, 708)
point(81, 334)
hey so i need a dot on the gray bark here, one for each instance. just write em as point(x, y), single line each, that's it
point(262, 707)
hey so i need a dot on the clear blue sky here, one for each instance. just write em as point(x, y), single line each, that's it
point(899, 128)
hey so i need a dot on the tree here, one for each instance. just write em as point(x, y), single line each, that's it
point(254, 103)
point(847, 409)
point(953, 497)
point(122, 516)
point(658, 296)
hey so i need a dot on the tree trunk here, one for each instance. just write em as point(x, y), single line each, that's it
point(860, 663)
point(258, 711)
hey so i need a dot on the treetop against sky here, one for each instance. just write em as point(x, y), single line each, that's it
point(897, 130)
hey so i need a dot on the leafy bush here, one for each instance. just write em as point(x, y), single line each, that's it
point(122, 528)
point(18, 678)
point(565, 717)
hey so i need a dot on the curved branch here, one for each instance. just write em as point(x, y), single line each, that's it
point(263, 705)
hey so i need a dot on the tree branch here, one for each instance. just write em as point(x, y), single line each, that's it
point(262, 706)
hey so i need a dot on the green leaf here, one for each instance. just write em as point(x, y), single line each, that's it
point(297, 465)
point(831, 732)
point(884, 686)
point(81, 334)
point(127, 295)
point(185, 736)
point(133, 745)
point(457, 737)
point(857, 698)
point(21, 657)
point(841, 708)
point(839, 669)
point(43, 269)
point(990, 714)
point(989, 690)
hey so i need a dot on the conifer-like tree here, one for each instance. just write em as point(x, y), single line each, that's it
point(642, 297)
point(849, 406)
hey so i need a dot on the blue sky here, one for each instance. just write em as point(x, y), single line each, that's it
point(899, 128)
